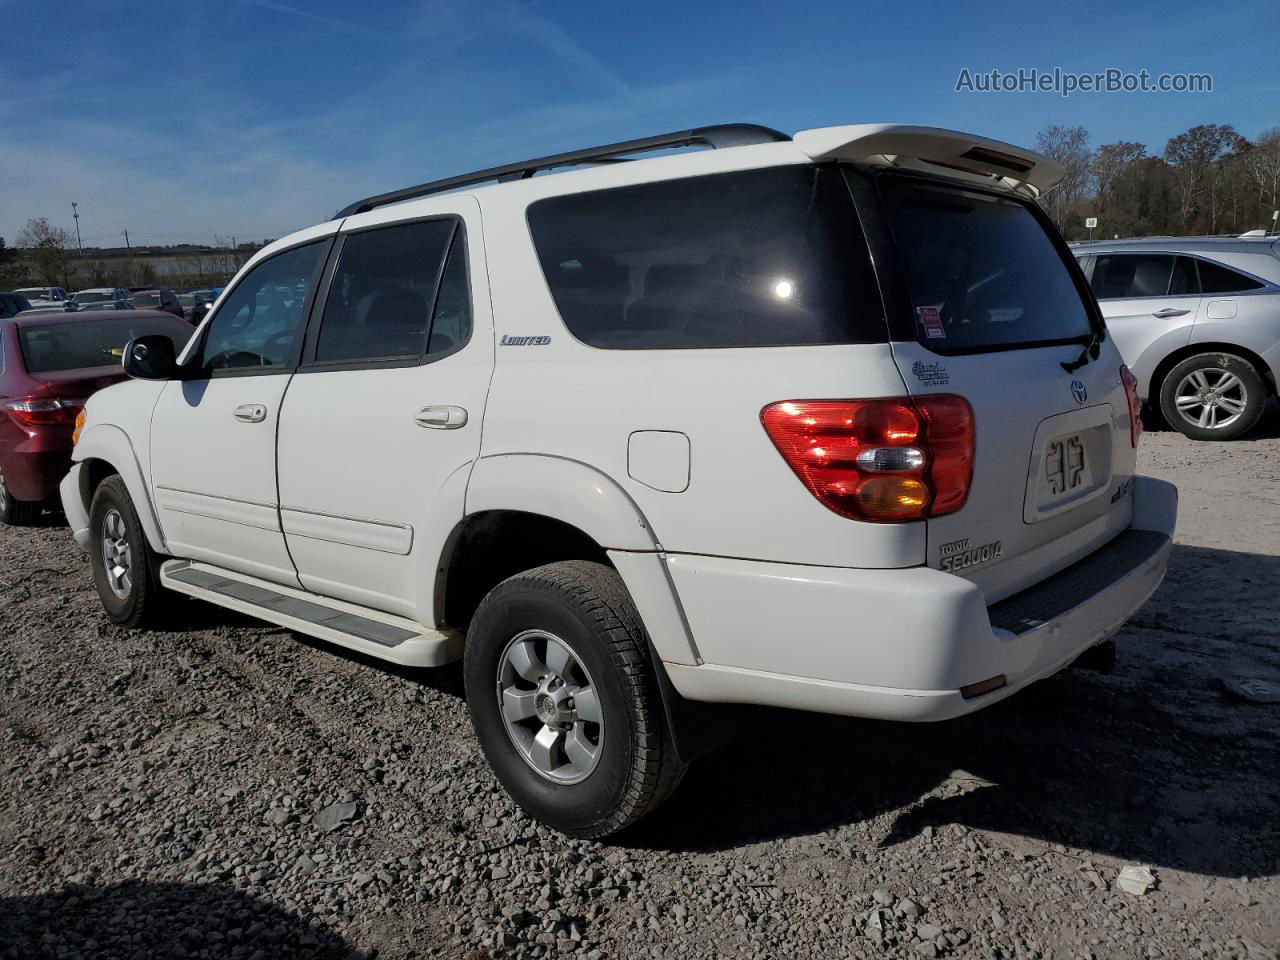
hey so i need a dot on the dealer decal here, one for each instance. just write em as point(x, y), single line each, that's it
point(958, 555)
point(931, 374)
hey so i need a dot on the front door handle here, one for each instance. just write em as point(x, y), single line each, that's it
point(251, 413)
point(1168, 312)
point(441, 417)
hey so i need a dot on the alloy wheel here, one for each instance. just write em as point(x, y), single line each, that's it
point(117, 554)
point(1211, 398)
point(549, 707)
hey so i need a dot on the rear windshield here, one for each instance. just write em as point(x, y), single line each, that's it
point(146, 299)
point(94, 343)
point(982, 271)
point(769, 257)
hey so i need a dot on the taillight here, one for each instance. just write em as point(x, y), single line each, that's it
point(1135, 403)
point(35, 412)
point(886, 460)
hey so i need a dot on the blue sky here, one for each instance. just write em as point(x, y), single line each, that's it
point(182, 119)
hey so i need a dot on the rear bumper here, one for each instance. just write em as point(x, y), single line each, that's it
point(32, 471)
point(904, 644)
point(73, 506)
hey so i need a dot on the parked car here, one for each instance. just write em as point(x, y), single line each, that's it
point(12, 304)
point(50, 364)
point(44, 298)
point(153, 299)
point(640, 439)
point(195, 304)
point(1198, 321)
point(101, 298)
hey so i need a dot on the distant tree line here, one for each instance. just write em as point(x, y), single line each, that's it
point(1208, 180)
point(46, 255)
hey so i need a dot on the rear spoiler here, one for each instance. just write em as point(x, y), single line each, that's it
point(940, 151)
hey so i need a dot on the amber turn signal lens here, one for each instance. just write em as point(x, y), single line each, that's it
point(75, 434)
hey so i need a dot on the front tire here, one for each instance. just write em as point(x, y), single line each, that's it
point(1213, 396)
point(564, 700)
point(14, 512)
point(125, 569)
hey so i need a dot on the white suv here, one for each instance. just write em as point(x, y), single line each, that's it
point(827, 422)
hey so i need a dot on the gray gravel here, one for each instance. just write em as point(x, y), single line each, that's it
point(231, 790)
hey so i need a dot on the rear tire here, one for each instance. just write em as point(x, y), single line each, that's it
point(542, 646)
point(1213, 396)
point(126, 570)
point(14, 512)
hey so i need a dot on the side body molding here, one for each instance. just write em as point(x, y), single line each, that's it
point(110, 444)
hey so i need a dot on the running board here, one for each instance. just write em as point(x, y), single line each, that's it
point(357, 628)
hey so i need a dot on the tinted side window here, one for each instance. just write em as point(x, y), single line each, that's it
point(1215, 278)
point(1131, 275)
point(260, 321)
point(761, 258)
point(380, 300)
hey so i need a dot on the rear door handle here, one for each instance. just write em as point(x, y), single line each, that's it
point(1168, 312)
point(441, 417)
point(251, 413)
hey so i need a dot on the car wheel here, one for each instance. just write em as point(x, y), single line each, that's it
point(125, 569)
point(17, 513)
point(1213, 396)
point(564, 700)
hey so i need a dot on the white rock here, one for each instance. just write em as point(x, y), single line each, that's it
point(1138, 881)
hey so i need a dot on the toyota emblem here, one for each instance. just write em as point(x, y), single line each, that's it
point(1079, 392)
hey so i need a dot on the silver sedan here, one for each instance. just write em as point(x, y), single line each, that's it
point(1197, 320)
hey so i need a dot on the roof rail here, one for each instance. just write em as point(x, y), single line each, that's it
point(719, 136)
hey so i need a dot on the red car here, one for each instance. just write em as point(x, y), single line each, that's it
point(49, 365)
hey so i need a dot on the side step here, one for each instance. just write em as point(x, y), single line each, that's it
point(358, 628)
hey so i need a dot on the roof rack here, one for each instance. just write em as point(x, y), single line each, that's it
point(718, 137)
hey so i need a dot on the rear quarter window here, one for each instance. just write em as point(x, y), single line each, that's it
point(1215, 278)
point(981, 270)
point(769, 257)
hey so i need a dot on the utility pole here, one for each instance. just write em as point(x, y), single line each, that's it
point(126, 243)
point(76, 213)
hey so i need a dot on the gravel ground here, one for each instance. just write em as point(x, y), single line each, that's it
point(231, 790)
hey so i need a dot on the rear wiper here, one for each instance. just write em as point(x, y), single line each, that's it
point(1090, 352)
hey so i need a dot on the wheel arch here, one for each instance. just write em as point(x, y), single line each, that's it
point(105, 450)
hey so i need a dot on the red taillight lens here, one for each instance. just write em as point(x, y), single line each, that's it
point(886, 460)
point(1135, 403)
point(37, 412)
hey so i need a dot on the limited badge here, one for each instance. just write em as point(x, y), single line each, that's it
point(931, 321)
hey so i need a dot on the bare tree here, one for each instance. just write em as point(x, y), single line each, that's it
point(48, 246)
point(1195, 155)
point(1110, 162)
point(1069, 146)
point(1263, 166)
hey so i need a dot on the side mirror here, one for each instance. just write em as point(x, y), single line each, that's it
point(151, 358)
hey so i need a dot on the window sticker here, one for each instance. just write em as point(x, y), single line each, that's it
point(931, 322)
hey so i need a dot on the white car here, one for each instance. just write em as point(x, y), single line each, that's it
point(828, 422)
point(45, 298)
